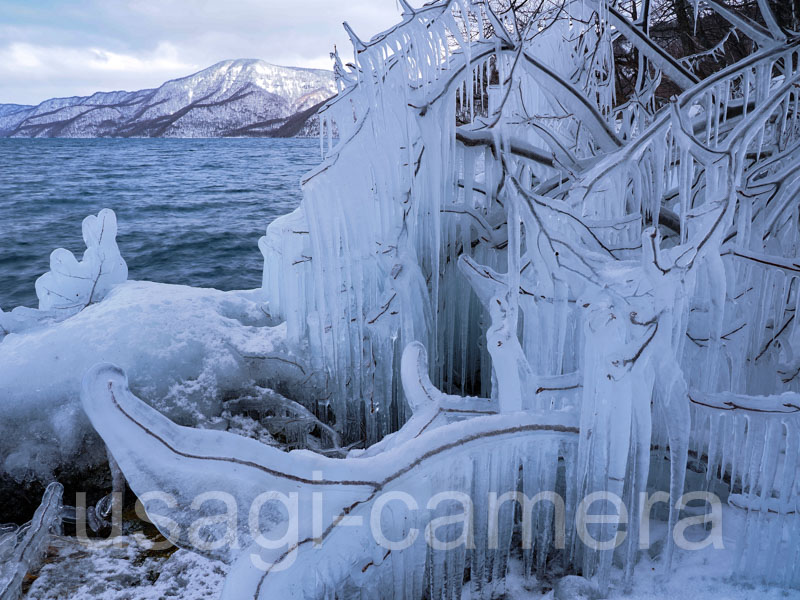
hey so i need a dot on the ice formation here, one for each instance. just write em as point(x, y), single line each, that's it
point(185, 349)
point(607, 295)
point(476, 455)
point(22, 551)
point(70, 286)
point(617, 254)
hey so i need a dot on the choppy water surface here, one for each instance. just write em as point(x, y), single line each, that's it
point(189, 211)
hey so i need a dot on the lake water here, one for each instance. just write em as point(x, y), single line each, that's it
point(189, 211)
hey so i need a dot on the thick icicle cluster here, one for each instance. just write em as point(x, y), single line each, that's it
point(562, 259)
point(369, 262)
point(617, 254)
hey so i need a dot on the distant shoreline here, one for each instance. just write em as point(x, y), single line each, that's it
point(233, 98)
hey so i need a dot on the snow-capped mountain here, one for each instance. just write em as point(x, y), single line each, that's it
point(244, 97)
point(7, 109)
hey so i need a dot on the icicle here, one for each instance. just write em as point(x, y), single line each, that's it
point(33, 543)
point(322, 120)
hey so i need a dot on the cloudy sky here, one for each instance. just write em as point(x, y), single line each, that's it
point(51, 48)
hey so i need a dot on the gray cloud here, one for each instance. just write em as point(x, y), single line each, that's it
point(61, 48)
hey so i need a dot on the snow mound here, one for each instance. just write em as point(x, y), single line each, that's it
point(183, 348)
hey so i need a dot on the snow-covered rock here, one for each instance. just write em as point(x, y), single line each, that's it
point(184, 349)
point(121, 569)
point(232, 98)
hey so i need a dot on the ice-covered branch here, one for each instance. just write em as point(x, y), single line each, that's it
point(587, 112)
point(177, 456)
point(28, 547)
point(670, 67)
point(755, 31)
point(70, 286)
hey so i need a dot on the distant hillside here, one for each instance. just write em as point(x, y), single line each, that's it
point(232, 98)
point(7, 109)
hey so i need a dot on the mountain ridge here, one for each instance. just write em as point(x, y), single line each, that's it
point(241, 97)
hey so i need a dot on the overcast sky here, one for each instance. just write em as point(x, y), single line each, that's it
point(51, 48)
